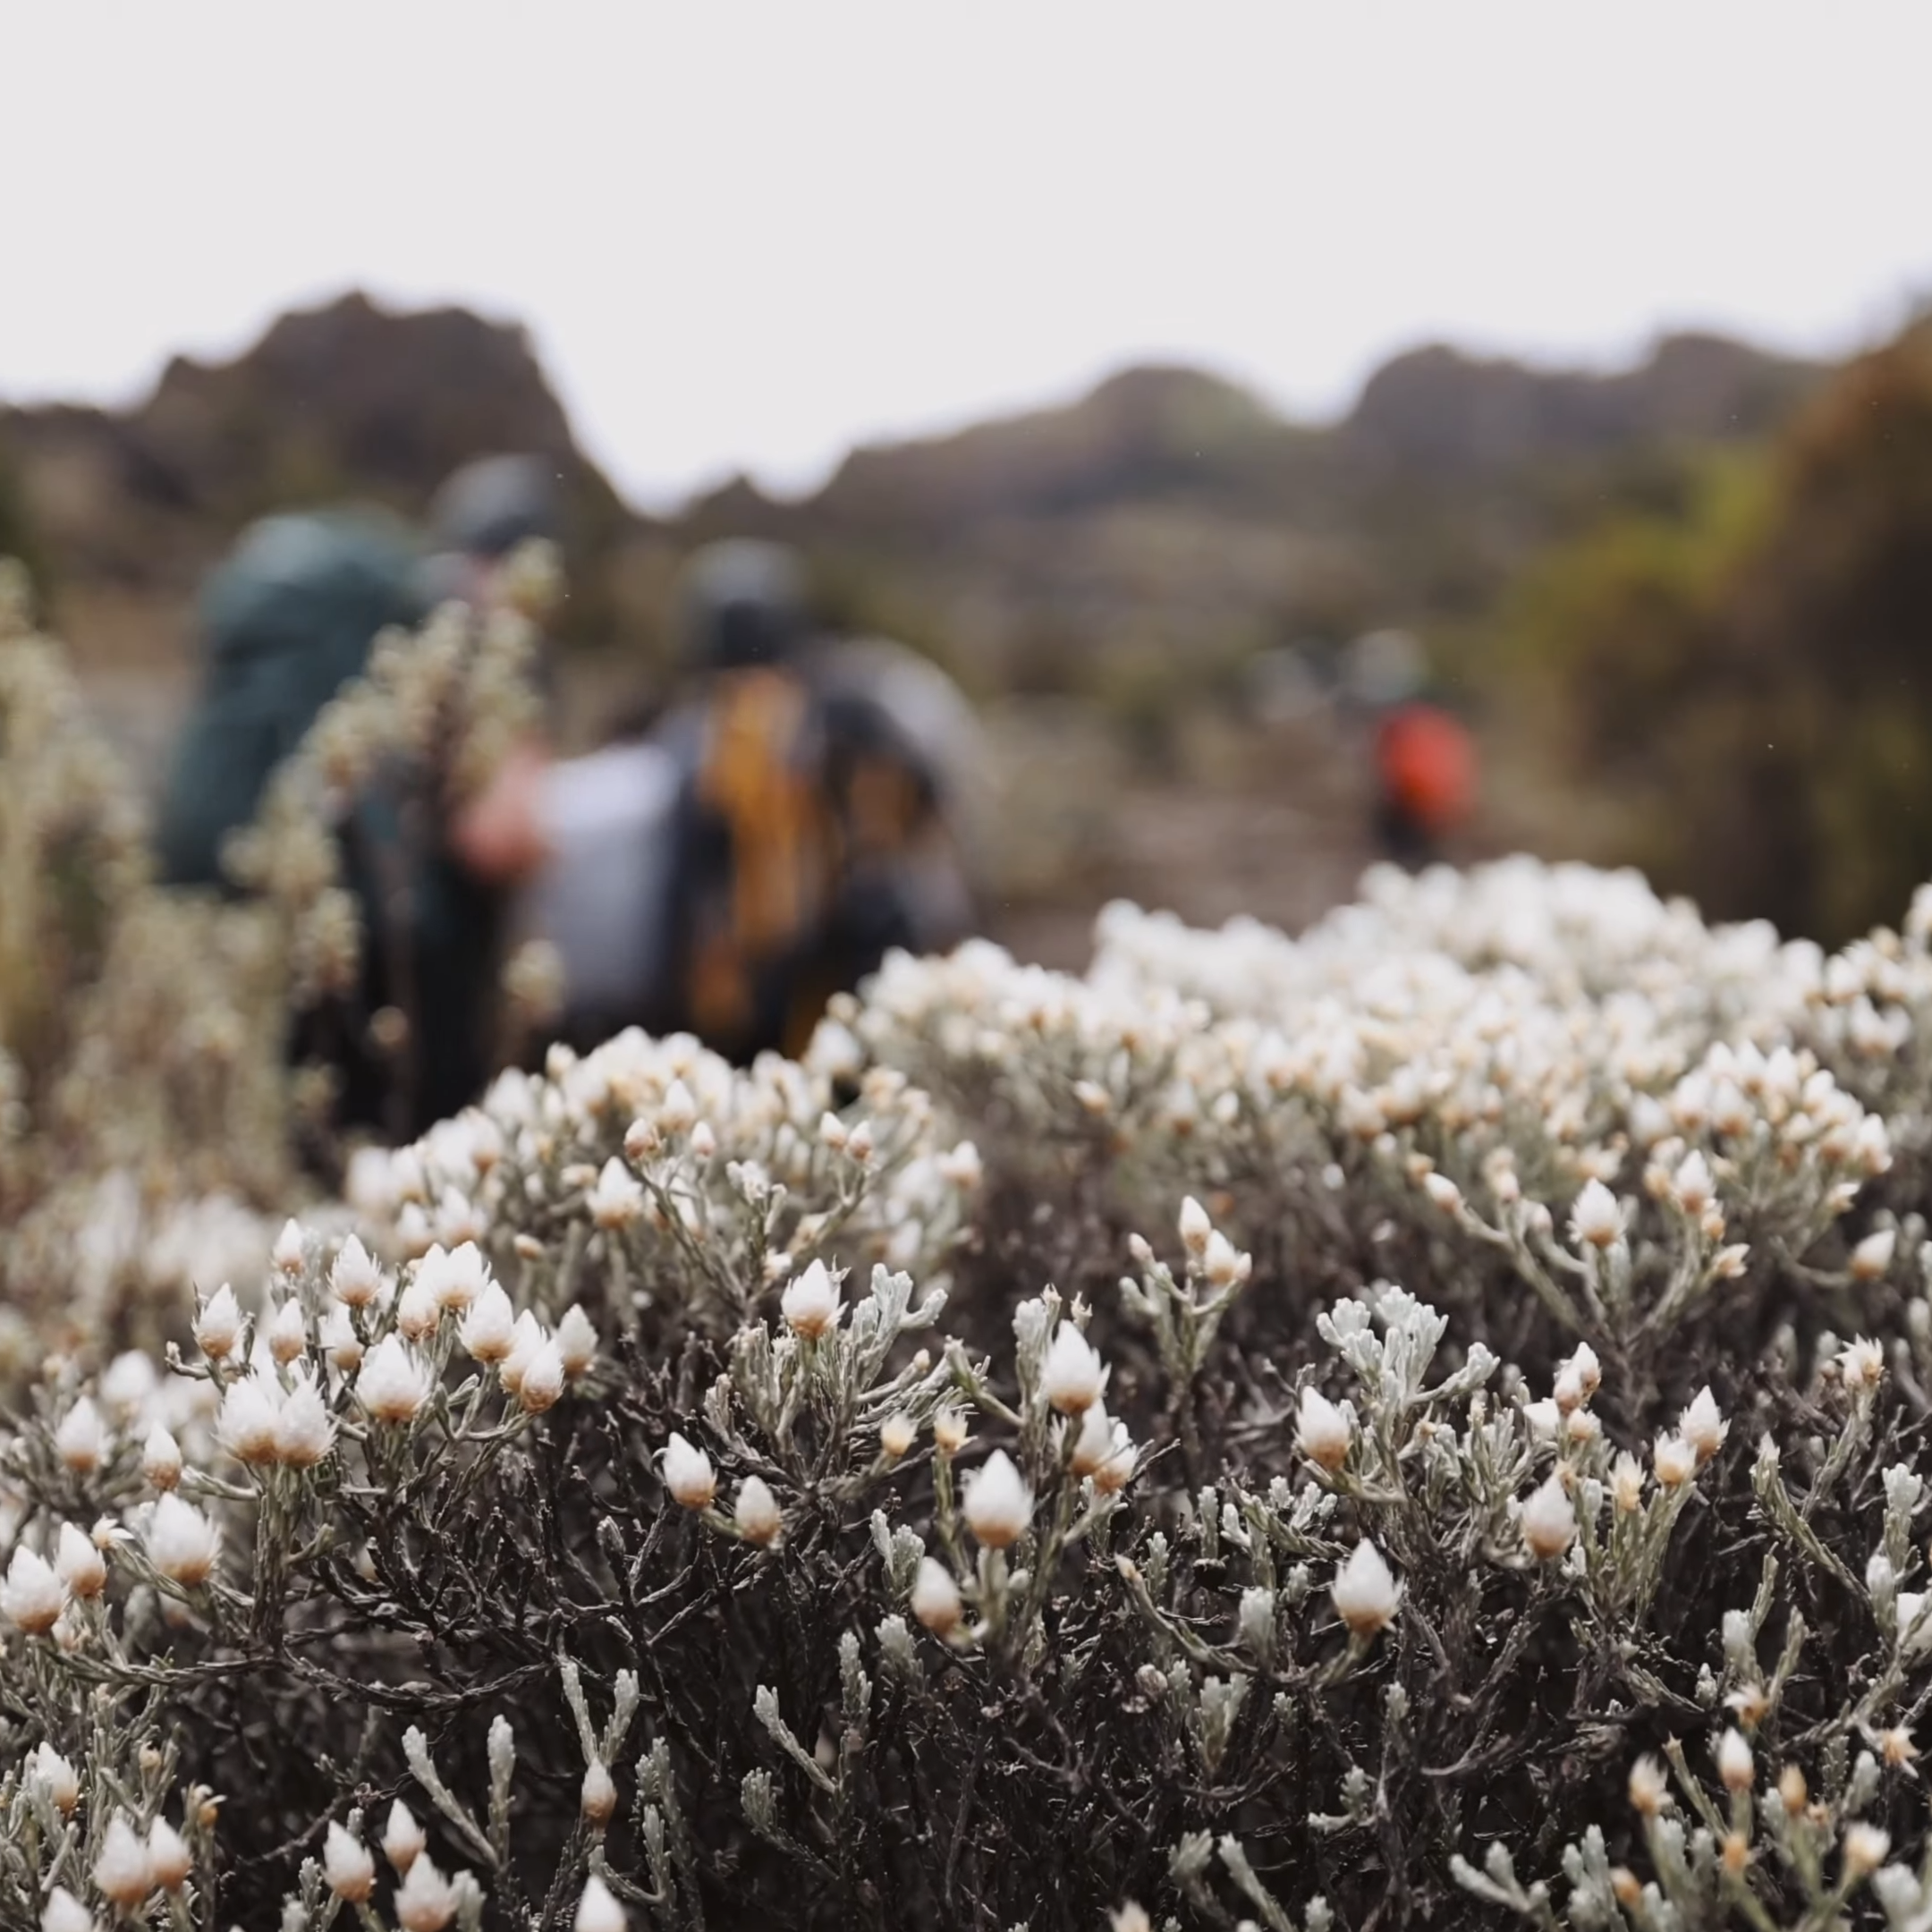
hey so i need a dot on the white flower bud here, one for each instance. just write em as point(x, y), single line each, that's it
point(997, 1503)
point(348, 1864)
point(1094, 1444)
point(935, 1597)
point(678, 1113)
point(426, 1901)
point(810, 1304)
point(81, 1438)
point(542, 1381)
point(288, 1252)
point(618, 1200)
point(1074, 1379)
point(181, 1542)
point(526, 1338)
point(122, 1872)
point(335, 1335)
point(1596, 1218)
point(78, 1563)
point(1195, 1227)
point(598, 1911)
point(355, 1279)
point(488, 1326)
point(32, 1596)
point(688, 1474)
point(394, 1383)
point(304, 1430)
point(1693, 1186)
point(1866, 1849)
point(55, 1777)
point(1735, 1762)
point(962, 1167)
point(463, 1277)
point(65, 1912)
point(1862, 1364)
point(949, 1431)
point(757, 1512)
point(1365, 1593)
point(1322, 1430)
point(1703, 1426)
point(1674, 1459)
point(402, 1839)
point(597, 1800)
point(1626, 1484)
point(1872, 1257)
point(218, 1327)
point(1549, 1523)
point(1443, 1192)
point(576, 1341)
point(127, 1385)
point(168, 1857)
point(417, 1308)
point(247, 1425)
point(1223, 1263)
point(1650, 1789)
point(288, 1333)
point(161, 1459)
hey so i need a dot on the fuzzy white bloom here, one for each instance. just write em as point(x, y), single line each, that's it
point(402, 1839)
point(336, 1336)
point(687, 1473)
point(394, 1383)
point(527, 1337)
point(1866, 1849)
point(1650, 1788)
point(949, 1431)
point(289, 1249)
point(161, 1458)
point(1195, 1227)
point(249, 1412)
point(169, 1860)
point(678, 1113)
point(1626, 1484)
point(1703, 1427)
point(417, 1308)
point(218, 1327)
point(757, 1512)
point(810, 1304)
point(122, 1872)
point(1443, 1192)
point(997, 1503)
point(1544, 1419)
point(288, 1333)
point(1693, 1185)
point(1873, 1255)
point(598, 1799)
point(78, 1563)
point(81, 1438)
point(181, 1542)
point(426, 1901)
point(65, 1912)
point(1322, 1429)
point(542, 1380)
point(1129, 1917)
point(127, 1384)
point(1365, 1593)
point(897, 1434)
point(1585, 1366)
point(935, 1597)
point(1223, 1263)
point(304, 1430)
point(348, 1864)
point(1595, 1219)
point(598, 1911)
point(1735, 1766)
point(355, 1278)
point(962, 1167)
point(1094, 1444)
point(1074, 1378)
point(617, 1198)
point(32, 1596)
point(462, 1278)
point(576, 1341)
point(1862, 1364)
point(1674, 1459)
point(55, 1777)
point(1549, 1523)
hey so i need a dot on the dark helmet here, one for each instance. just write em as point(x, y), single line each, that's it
point(740, 603)
point(489, 507)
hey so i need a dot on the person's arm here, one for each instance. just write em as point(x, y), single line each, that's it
point(498, 834)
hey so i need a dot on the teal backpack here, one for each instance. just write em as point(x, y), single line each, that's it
point(285, 622)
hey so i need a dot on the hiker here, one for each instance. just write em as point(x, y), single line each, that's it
point(789, 818)
point(1423, 755)
point(286, 621)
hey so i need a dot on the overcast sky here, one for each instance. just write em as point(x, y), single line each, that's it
point(746, 236)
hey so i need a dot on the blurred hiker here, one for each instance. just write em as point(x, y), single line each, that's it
point(796, 812)
point(1424, 757)
point(286, 621)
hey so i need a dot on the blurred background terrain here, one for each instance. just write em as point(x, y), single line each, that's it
point(1686, 605)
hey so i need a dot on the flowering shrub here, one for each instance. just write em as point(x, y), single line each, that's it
point(1416, 1425)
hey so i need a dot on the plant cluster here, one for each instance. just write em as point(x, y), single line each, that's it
point(1416, 1425)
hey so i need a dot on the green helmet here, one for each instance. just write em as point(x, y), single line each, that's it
point(489, 507)
point(740, 602)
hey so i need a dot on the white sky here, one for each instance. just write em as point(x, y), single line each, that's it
point(748, 236)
